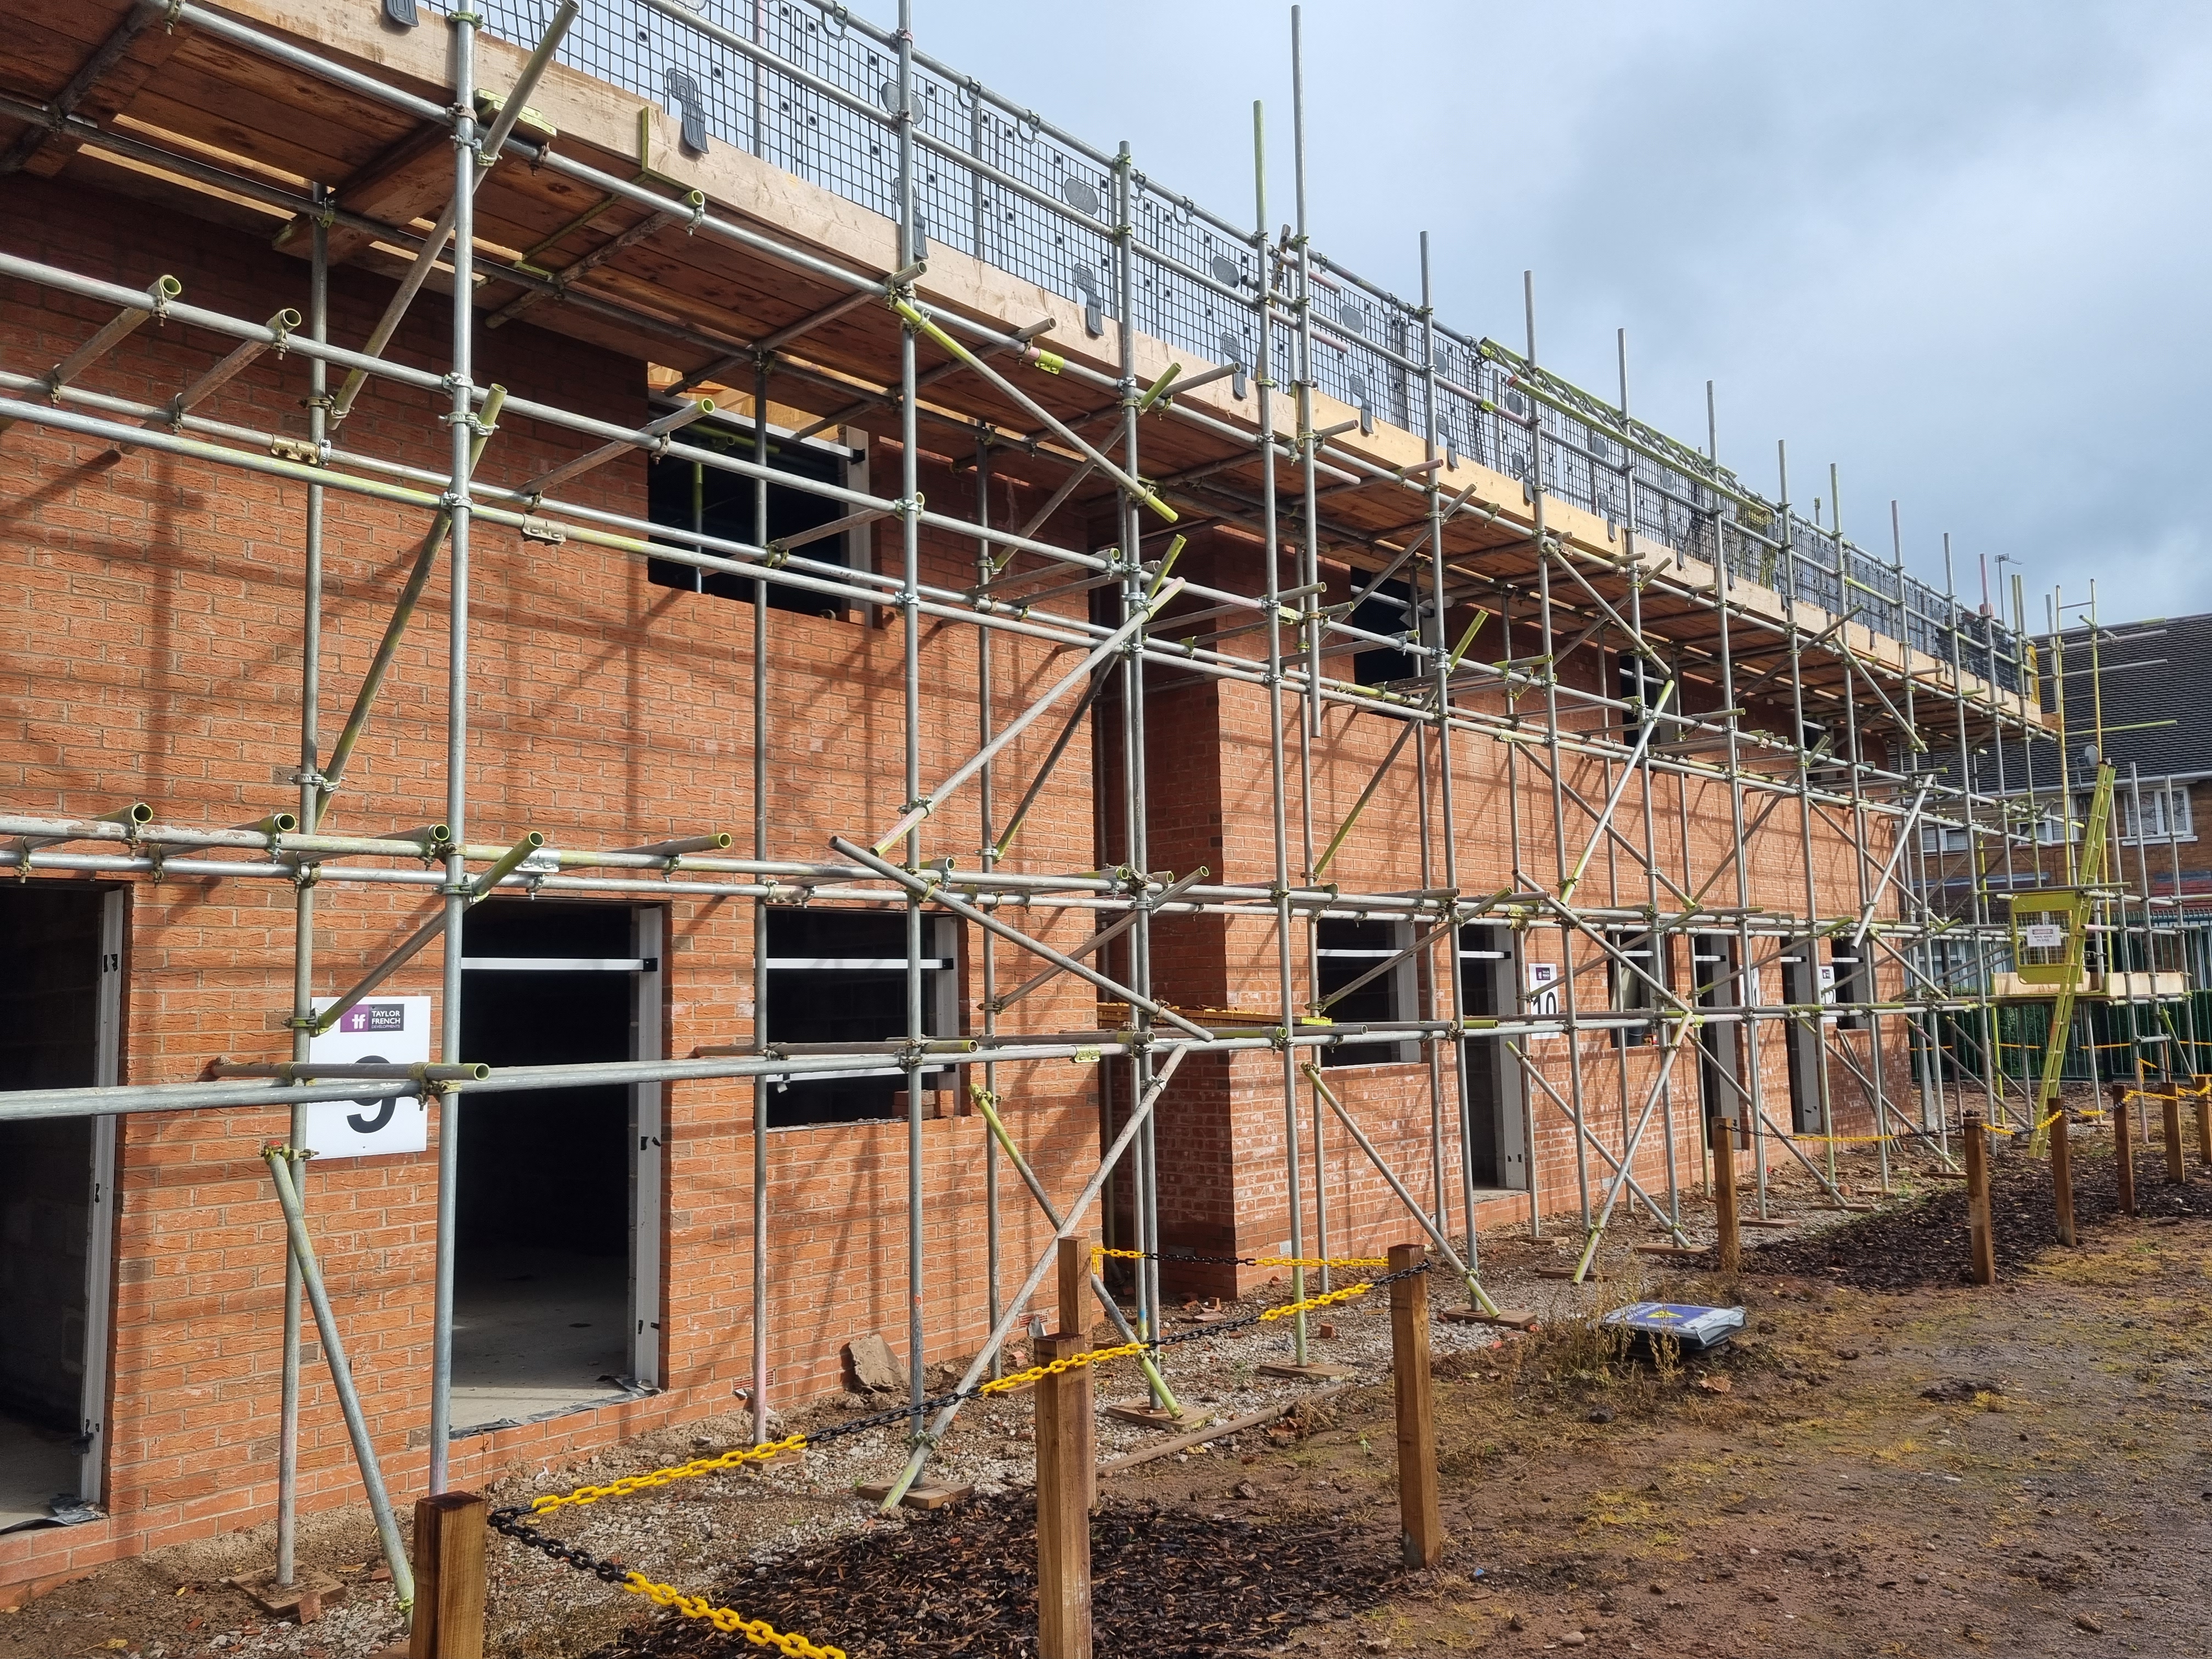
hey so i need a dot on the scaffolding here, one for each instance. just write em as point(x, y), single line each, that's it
point(1262, 392)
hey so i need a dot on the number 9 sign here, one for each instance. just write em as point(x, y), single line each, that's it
point(386, 1030)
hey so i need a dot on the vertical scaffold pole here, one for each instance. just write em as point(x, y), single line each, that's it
point(910, 250)
point(464, 25)
point(1130, 535)
point(1277, 761)
point(1555, 757)
point(303, 909)
point(986, 817)
point(763, 1088)
point(1446, 780)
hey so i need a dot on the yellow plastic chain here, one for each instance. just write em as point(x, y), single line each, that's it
point(1054, 1368)
point(698, 1466)
point(1996, 1129)
point(758, 1632)
point(1312, 1302)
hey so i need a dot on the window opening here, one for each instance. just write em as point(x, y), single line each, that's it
point(1388, 610)
point(1345, 950)
point(1633, 993)
point(1720, 1069)
point(686, 494)
point(1852, 968)
point(1800, 990)
point(840, 976)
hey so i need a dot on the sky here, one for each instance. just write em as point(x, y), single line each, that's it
point(1958, 251)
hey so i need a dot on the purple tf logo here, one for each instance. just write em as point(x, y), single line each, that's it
point(374, 1017)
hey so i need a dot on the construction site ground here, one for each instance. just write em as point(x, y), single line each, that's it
point(1889, 1460)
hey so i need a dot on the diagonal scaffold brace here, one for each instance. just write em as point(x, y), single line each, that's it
point(280, 1160)
point(1069, 1227)
point(1481, 1297)
point(988, 1104)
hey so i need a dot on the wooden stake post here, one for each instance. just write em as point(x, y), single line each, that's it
point(1073, 1275)
point(1421, 1528)
point(1981, 1241)
point(1063, 1499)
point(2062, 1174)
point(1730, 1243)
point(2177, 1171)
point(449, 1578)
point(2203, 1119)
point(1073, 1266)
point(2123, 1151)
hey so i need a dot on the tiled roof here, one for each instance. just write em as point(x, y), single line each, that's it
point(2146, 692)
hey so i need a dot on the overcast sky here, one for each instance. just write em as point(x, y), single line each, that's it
point(1959, 251)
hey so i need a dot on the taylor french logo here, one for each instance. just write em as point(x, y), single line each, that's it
point(375, 1017)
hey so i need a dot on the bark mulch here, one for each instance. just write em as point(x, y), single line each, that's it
point(1924, 1244)
point(1167, 1582)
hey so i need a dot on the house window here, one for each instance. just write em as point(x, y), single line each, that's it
point(1942, 838)
point(2165, 814)
point(840, 976)
point(2053, 828)
point(685, 494)
point(1347, 954)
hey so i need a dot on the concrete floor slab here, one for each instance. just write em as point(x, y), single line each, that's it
point(536, 1331)
point(36, 1465)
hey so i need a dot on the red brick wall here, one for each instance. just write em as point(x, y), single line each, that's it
point(156, 607)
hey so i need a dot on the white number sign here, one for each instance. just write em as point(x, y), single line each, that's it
point(379, 1030)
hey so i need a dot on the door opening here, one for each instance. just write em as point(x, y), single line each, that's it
point(557, 1260)
point(59, 1008)
point(1496, 1132)
point(1802, 1034)
point(1720, 1071)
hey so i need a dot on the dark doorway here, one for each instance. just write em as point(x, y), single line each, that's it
point(1801, 1033)
point(546, 1211)
point(1720, 1069)
point(60, 945)
point(1489, 979)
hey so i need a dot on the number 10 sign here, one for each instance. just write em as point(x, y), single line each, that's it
point(395, 1030)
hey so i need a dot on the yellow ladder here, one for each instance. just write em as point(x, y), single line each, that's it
point(2092, 873)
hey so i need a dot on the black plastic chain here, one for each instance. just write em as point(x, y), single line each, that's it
point(509, 1522)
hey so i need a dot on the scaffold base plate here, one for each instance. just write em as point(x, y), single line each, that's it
point(306, 1599)
point(1148, 1417)
point(915, 1497)
point(1514, 1319)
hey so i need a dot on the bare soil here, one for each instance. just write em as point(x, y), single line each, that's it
point(1888, 1462)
